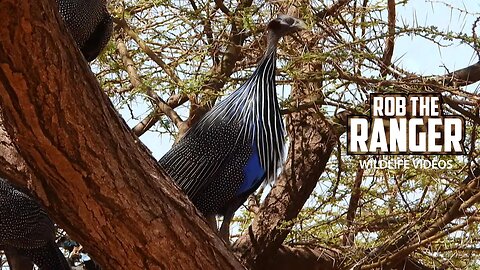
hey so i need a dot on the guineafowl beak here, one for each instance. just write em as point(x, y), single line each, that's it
point(285, 25)
point(299, 25)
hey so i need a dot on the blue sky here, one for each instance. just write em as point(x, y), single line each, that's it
point(424, 57)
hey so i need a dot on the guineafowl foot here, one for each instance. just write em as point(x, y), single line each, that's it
point(212, 221)
point(224, 231)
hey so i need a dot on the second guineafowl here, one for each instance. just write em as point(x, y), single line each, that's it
point(89, 23)
point(26, 232)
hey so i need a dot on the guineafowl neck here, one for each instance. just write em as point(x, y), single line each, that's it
point(272, 41)
point(269, 58)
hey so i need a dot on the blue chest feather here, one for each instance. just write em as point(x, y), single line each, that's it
point(253, 173)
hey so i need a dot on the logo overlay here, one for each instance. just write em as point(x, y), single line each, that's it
point(411, 124)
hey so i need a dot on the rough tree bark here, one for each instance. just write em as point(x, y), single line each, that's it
point(103, 187)
point(12, 165)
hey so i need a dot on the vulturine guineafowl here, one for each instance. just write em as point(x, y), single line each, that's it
point(237, 145)
point(26, 231)
point(89, 23)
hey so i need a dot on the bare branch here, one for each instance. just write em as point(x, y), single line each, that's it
point(461, 77)
point(148, 122)
point(136, 82)
point(156, 57)
point(222, 7)
point(331, 10)
point(348, 239)
point(390, 42)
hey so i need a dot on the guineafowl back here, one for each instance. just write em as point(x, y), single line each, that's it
point(217, 158)
point(89, 23)
point(23, 222)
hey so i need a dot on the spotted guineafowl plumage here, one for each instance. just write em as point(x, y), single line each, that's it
point(89, 23)
point(238, 144)
point(27, 231)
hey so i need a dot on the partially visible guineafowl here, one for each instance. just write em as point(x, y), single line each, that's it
point(89, 23)
point(26, 232)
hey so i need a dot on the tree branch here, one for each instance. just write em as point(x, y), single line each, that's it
point(461, 77)
point(148, 122)
point(137, 82)
point(331, 10)
point(409, 242)
point(349, 238)
point(390, 42)
point(222, 7)
point(156, 57)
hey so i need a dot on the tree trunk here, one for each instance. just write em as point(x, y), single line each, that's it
point(94, 176)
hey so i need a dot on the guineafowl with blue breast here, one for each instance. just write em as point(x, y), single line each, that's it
point(238, 144)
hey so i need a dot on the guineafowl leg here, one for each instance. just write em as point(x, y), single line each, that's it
point(16, 260)
point(225, 228)
point(48, 257)
point(212, 221)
